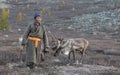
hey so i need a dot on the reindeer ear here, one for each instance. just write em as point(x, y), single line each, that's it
point(52, 38)
point(62, 38)
point(59, 38)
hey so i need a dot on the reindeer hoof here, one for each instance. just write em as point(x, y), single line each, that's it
point(68, 64)
point(80, 63)
point(54, 55)
point(46, 52)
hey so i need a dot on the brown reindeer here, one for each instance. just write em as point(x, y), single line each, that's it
point(71, 46)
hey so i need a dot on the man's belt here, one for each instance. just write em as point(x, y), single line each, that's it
point(35, 39)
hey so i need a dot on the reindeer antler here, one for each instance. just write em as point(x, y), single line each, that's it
point(60, 38)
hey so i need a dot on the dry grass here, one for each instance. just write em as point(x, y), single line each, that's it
point(16, 1)
point(19, 17)
point(28, 6)
point(43, 11)
point(49, 13)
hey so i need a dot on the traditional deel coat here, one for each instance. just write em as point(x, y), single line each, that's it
point(32, 52)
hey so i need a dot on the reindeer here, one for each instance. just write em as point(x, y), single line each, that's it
point(71, 46)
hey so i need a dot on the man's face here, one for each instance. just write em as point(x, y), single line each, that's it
point(38, 19)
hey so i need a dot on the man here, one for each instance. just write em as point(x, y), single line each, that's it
point(34, 39)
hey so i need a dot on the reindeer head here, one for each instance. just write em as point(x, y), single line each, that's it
point(60, 39)
point(53, 42)
point(56, 42)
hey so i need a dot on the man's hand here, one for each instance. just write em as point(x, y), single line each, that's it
point(22, 47)
point(46, 50)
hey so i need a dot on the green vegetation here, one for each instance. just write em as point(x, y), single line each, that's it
point(4, 24)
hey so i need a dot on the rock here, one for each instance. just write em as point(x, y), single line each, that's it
point(19, 29)
point(11, 30)
point(56, 60)
point(94, 33)
point(49, 32)
point(70, 27)
point(73, 9)
point(12, 65)
point(14, 43)
point(6, 36)
point(20, 40)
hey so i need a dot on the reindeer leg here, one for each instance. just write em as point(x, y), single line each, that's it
point(73, 55)
point(56, 53)
point(81, 59)
point(69, 55)
point(73, 51)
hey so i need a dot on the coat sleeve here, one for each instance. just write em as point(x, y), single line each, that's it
point(45, 38)
point(25, 36)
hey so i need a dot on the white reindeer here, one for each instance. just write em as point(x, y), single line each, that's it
point(70, 46)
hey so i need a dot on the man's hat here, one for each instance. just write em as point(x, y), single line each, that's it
point(36, 15)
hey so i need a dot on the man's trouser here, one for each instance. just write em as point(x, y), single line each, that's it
point(36, 44)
